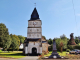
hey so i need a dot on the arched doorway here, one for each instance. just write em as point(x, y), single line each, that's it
point(34, 51)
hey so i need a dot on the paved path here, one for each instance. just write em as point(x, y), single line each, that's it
point(7, 59)
point(29, 58)
point(25, 58)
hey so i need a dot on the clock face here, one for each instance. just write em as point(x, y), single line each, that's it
point(34, 23)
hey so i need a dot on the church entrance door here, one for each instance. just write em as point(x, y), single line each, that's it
point(34, 51)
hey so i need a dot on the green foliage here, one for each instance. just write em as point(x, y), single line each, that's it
point(63, 40)
point(76, 40)
point(42, 55)
point(5, 40)
point(44, 37)
point(14, 54)
point(50, 41)
point(67, 50)
point(77, 47)
point(0, 51)
point(71, 47)
point(61, 54)
point(58, 43)
point(63, 36)
point(15, 42)
point(68, 39)
point(21, 38)
point(50, 47)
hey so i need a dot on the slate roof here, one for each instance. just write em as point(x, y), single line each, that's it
point(34, 15)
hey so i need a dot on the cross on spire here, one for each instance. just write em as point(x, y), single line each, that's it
point(35, 4)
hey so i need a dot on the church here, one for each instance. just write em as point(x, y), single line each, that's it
point(33, 43)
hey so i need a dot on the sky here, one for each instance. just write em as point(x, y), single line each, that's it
point(57, 16)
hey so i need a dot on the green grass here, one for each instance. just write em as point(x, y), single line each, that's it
point(61, 54)
point(79, 43)
point(0, 51)
point(14, 54)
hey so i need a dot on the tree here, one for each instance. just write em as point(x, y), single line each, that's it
point(63, 40)
point(5, 40)
point(67, 39)
point(76, 40)
point(21, 38)
point(50, 41)
point(15, 43)
point(61, 45)
point(63, 36)
point(44, 37)
point(58, 43)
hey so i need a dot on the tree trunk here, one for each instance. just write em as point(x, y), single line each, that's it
point(61, 49)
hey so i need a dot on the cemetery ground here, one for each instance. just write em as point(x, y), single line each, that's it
point(64, 54)
point(19, 54)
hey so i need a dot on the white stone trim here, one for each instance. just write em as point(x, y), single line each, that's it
point(40, 50)
point(26, 50)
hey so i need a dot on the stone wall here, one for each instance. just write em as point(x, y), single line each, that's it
point(31, 45)
point(44, 47)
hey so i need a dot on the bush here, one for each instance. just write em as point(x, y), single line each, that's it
point(14, 50)
point(71, 47)
point(41, 56)
point(50, 48)
point(77, 47)
point(67, 50)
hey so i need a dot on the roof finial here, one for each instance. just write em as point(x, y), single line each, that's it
point(35, 4)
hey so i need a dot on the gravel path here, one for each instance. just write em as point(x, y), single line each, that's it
point(25, 58)
point(29, 58)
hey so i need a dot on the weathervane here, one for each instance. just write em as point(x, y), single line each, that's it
point(35, 4)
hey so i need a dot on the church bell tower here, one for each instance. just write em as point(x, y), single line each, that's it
point(33, 44)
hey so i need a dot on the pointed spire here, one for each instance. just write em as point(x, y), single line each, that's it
point(34, 15)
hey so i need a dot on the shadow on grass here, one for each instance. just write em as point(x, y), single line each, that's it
point(33, 55)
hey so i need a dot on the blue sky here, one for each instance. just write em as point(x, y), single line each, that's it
point(57, 16)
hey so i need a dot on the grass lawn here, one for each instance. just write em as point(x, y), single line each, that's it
point(79, 43)
point(61, 54)
point(14, 54)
